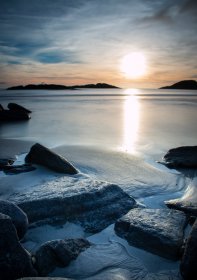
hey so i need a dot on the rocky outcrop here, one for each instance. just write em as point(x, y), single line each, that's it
point(188, 202)
point(188, 265)
point(185, 157)
point(18, 108)
point(19, 218)
point(186, 84)
point(159, 231)
point(58, 253)
point(15, 261)
point(93, 204)
point(41, 155)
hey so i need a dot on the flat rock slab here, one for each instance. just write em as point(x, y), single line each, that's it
point(185, 156)
point(93, 204)
point(188, 202)
point(159, 231)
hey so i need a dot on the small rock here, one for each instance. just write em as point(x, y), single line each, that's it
point(58, 253)
point(15, 261)
point(159, 231)
point(5, 162)
point(185, 156)
point(188, 265)
point(43, 156)
point(17, 169)
point(19, 218)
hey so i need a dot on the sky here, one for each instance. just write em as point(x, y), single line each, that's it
point(84, 41)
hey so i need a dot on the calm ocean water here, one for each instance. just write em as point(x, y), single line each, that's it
point(146, 121)
point(112, 135)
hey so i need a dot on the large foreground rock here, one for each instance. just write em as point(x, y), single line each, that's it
point(159, 231)
point(43, 156)
point(93, 204)
point(15, 261)
point(188, 202)
point(19, 218)
point(185, 156)
point(58, 253)
point(189, 261)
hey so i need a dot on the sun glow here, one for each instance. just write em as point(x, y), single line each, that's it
point(133, 65)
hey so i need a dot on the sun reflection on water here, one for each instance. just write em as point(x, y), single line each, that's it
point(131, 120)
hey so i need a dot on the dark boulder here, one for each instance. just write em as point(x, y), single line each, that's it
point(58, 253)
point(185, 157)
point(19, 218)
point(9, 115)
point(16, 107)
point(41, 155)
point(15, 261)
point(159, 231)
point(188, 265)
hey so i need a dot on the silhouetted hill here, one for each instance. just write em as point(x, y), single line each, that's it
point(186, 84)
point(60, 87)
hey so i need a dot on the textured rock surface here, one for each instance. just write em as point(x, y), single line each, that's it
point(159, 231)
point(92, 203)
point(185, 156)
point(189, 261)
point(41, 155)
point(58, 253)
point(188, 202)
point(19, 218)
point(15, 261)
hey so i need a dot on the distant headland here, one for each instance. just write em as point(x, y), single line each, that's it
point(60, 87)
point(186, 84)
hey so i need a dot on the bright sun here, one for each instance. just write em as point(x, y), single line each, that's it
point(133, 65)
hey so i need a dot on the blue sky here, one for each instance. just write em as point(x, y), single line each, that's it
point(83, 41)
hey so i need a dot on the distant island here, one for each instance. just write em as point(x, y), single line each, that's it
point(186, 84)
point(60, 87)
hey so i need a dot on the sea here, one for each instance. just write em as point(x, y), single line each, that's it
point(115, 135)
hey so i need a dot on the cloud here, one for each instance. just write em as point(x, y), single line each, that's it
point(57, 57)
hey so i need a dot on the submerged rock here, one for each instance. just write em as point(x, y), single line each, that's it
point(15, 261)
point(93, 204)
point(5, 162)
point(187, 203)
point(17, 169)
point(159, 231)
point(41, 155)
point(19, 218)
point(185, 156)
point(188, 265)
point(58, 253)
